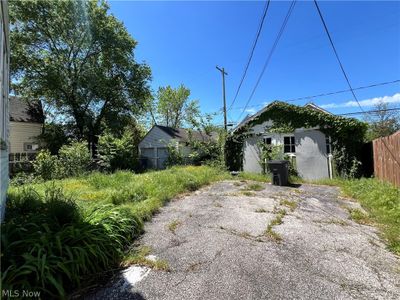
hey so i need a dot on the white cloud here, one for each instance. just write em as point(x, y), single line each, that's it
point(251, 111)
point(365, 103)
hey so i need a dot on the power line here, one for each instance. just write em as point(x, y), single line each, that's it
point(350, 113)
point(345, 75)
point(327, 94)
point(336, 54)
point(251, 52)
point(370, 111)
point(343, 91)
point(282, 29)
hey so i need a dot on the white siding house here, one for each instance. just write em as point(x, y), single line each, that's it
point(153, 149)
point(309, 149)
point(4, 90)
point(26, 124)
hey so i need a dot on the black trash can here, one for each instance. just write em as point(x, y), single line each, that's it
point(280, 171)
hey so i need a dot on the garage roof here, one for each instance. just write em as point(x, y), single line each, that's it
point(183, 134)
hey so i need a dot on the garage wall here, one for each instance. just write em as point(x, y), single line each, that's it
point(155, 138)
point(251, 155)
point(311, 156)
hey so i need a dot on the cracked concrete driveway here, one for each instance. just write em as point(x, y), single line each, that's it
point(218, 248)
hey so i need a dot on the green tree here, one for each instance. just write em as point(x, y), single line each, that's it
point(78, 59)
point(120, 152)
point(206, 140)
point(172, 107)
point(382, 123)
point(53, 137)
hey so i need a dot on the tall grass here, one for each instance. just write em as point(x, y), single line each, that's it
point(55, 234)
point(382, 202)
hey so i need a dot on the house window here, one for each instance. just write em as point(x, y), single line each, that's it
point(289, 144)
point(268, 141)
point(30, 147)
point(328, 145)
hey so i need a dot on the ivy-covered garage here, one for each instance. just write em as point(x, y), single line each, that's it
point(317, 143)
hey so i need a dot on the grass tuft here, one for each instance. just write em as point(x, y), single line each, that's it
point(173, 225)
point(248, 193)
point(139, 256)
point(276, 221)
point(254, 187)
point(359, 216)
point(289, 203)
point(273, 234)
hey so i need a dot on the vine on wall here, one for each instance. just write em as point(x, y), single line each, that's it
point(347, 134)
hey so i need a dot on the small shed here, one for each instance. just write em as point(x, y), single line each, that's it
point(309, 149)
point(153, 149)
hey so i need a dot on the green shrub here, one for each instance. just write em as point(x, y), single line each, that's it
point(175, 155)
point(48, 245)
point(118, 153)
point(75, 159)
point(22, 178)
point(206, 151)
point(346, 166)
point(47, 166)
point(52, 245)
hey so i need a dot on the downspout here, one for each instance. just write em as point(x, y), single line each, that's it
point(330, 164)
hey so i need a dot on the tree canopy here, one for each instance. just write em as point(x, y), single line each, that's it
point(382, 123)
point(173, 108)
point(78, 59)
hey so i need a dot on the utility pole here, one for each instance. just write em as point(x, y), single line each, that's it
point(222, 70)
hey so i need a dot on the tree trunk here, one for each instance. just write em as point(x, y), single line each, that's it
point(93, 140)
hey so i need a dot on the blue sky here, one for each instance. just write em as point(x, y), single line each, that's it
point(183, 41)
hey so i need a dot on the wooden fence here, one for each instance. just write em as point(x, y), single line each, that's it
point(387, 158)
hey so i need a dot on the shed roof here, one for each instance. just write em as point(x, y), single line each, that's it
point(249, 118)
point(183, 134)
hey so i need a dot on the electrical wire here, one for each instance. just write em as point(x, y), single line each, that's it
point(282, 29)
point(251, 52)
point(323, 94)
point(344, 73)
point(370, 111)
